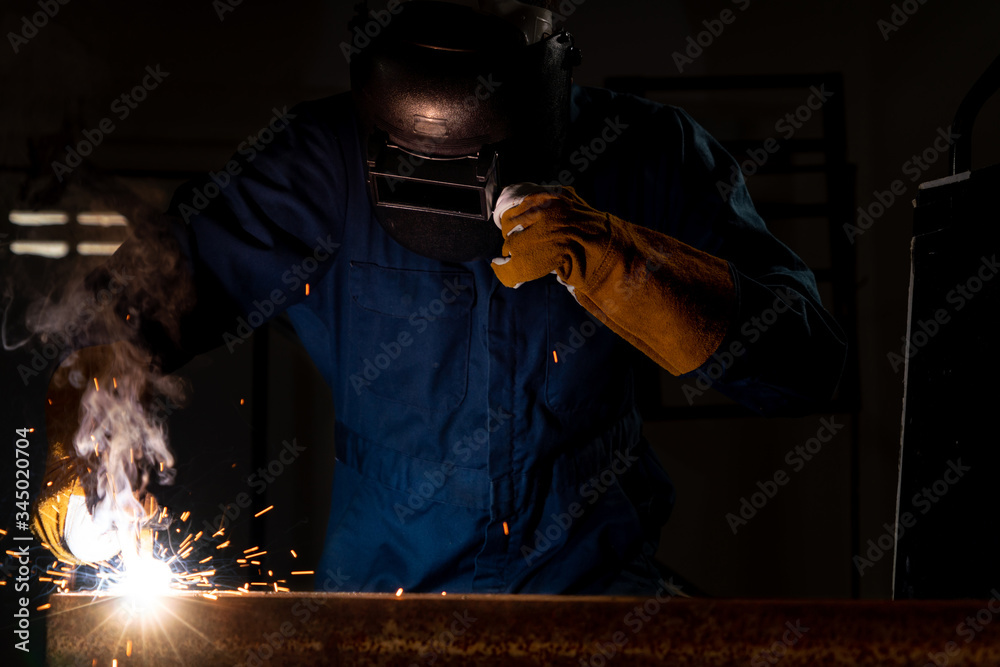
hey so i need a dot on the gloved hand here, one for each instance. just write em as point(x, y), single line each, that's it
point(672, 301)
point(61, 519)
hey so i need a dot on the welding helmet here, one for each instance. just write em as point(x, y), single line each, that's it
point(453, 105)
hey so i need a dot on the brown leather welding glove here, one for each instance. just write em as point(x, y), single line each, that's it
point(60, 516)
point(672, 301)
point(49, 516)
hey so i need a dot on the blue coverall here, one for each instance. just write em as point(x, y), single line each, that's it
point(470, 457)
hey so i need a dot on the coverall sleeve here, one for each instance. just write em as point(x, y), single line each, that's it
point(245, 238)
point(789, 351)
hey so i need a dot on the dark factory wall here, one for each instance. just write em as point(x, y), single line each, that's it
point(230, 65)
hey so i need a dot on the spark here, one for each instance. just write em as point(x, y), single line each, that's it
point(266, 509)
point(294, 555)
point(506, 530)
point(96, 386)
point(304, 572)
point(256, 555)
point(307, 289)
point(246, 551)
point(444, 592)
point(44, 606)
point(206, 558)
point(128, 648)
point(223, 545)
point(4, 532)
point(49, 483)
point(198, 536)
point(555, 357)
point(242, 401)
point(185, 515)
point(114, 381)
point(275, 587)
point(399, 593)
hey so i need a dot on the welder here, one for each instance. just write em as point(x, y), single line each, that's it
point(489, 251)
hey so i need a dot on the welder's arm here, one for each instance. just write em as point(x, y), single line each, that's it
point(673, 302)
point(60, 517)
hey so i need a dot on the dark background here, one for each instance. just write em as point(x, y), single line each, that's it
point(226, 76)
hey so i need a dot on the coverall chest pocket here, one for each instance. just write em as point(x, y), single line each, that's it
point(587, 368)
point(410, 331)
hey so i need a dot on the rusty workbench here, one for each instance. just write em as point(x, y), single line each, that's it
point(348, 629)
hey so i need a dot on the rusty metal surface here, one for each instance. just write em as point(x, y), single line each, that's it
point(350, 629)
